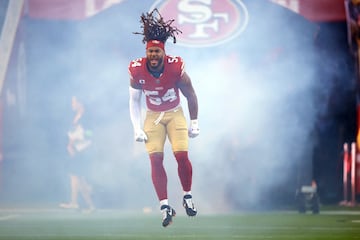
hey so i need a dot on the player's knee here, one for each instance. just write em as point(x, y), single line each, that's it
point(181, 156)
point(156, 158)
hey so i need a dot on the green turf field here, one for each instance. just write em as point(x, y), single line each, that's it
point(108, 224)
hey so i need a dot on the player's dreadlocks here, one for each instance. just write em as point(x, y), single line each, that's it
point(155, 28)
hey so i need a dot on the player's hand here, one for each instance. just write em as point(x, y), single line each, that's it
point(194, 128)
point(140, 135)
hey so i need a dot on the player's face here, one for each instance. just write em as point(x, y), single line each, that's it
point(155, 58)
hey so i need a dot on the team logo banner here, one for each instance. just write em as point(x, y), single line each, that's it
point(205, 23)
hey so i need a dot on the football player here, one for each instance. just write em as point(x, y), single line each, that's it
point(161, 78)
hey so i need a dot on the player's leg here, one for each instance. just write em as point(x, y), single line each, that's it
point(74, 182)
point(158, 175)
point(86, 191)
point(74, 190)
point(178, 136)
point(156, 134)
point(185, 175)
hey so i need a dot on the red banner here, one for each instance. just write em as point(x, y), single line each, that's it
point(67, 9)
point(313, 10)
point(316, 10)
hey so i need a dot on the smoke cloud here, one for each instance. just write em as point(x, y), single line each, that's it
point(258, 106)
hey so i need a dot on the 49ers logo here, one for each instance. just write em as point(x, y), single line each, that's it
point(205, 23)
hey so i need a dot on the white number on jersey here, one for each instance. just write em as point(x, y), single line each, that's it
point(136, 63)
point(155, 99)
point(173, 59)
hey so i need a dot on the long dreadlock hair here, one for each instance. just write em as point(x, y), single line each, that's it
point(156, 28)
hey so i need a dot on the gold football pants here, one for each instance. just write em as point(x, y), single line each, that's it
point(172, 124)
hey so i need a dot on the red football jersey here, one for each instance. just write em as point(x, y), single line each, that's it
point(161, 93)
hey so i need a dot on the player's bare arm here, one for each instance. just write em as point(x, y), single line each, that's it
point(188, 91)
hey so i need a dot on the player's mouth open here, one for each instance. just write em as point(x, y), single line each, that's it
point(154, 62)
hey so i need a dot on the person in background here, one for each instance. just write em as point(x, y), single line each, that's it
point(352, 9)
point(80, 152)
point(161, 78)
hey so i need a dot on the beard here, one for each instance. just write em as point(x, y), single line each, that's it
point(155, 64)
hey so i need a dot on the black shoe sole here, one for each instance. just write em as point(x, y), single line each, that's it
point(168, 220)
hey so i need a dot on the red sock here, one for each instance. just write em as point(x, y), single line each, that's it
point(158, 175)
point(184, 170)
